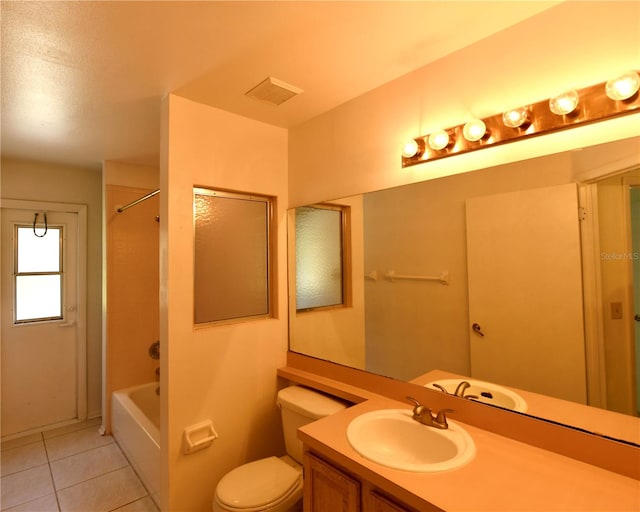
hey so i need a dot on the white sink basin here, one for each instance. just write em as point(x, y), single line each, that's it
point(486, 393)
point(392, 438)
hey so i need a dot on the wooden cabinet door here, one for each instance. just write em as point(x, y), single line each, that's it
point(378, 503)
point(327, 489)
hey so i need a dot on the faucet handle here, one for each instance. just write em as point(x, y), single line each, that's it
point(413, 401)
point(441, 388)
point(418, 408)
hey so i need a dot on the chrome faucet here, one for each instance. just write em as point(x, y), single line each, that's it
point(425, 416)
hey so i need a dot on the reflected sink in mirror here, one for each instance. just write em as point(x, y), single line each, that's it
point(391, 437)
point(484, 392)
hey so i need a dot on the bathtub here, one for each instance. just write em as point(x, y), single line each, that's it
point(135, 424)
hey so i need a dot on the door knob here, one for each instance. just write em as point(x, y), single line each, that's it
point(477, 329)
point(637, 318)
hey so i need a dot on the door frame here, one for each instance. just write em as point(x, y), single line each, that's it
point(592, 292)
point(81, 326)
point(592, 282)
point(627, 183)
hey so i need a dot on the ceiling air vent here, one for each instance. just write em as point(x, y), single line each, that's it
point(273, 91)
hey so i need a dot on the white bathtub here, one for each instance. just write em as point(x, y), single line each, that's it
point(135, 424)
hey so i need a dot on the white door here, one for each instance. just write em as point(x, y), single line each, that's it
point(525, 297)
point(39, 319)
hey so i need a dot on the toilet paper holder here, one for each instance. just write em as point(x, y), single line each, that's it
point(198, 436)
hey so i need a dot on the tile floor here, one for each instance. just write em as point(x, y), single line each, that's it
point(70, 469)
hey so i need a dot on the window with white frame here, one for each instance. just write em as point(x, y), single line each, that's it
point(38, 270)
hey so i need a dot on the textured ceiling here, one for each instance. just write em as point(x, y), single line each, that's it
point(82, 81)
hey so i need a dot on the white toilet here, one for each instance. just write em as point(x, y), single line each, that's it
point(274, 484)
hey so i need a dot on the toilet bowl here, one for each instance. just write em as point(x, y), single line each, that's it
point(274, 484)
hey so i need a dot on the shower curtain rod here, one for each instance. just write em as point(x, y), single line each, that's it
point(133, 203)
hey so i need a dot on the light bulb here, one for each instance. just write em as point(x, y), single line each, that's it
point(474, 130)
point(624, 86)
point(516, 117)
point(438, 140)
point(410, 149)
point(564, 103)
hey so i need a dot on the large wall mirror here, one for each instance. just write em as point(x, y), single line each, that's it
point(521, 275)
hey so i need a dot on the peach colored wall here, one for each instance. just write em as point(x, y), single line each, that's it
point(39, 181)
point(224, 373)
point(132, 281)
point(130, 175)
point(355, 148)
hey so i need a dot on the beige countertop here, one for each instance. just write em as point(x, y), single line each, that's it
point(505, 475)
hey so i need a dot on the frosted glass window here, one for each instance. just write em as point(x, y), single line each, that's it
point(319, 257)
point(38, 297)
point(38, 253)
point(231, 256)
point(38, 275)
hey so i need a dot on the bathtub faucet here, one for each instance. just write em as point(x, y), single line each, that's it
point(154, 350)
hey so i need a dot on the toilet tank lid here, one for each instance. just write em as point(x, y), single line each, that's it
point(310, 403)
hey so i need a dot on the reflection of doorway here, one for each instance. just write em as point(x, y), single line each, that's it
point(634, 210)
point(615, 287)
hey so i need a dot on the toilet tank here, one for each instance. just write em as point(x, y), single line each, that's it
point(299, 406)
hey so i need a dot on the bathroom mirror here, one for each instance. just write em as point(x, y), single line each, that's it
point(413, 295)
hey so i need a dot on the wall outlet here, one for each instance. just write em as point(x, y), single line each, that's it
point(616, 310)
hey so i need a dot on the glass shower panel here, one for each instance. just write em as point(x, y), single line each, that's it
point(319, 259)
point(231, 256)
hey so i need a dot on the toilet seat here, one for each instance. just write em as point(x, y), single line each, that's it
point(258, 485)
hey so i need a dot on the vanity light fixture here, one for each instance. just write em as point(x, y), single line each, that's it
point(516, 118)
point(565, 103)
point(474, 130)
point(410, 148)
point(619, 96)
point(624, 86)
point(438, 140)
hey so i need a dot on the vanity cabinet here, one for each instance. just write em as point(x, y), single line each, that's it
point(376, 502)
point(330, 489)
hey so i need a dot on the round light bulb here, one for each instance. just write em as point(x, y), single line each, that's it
point(624, 86)
point(438, 140)
point(410, 149)
point(564, 103)
point(474, 130)
point(516, 117)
